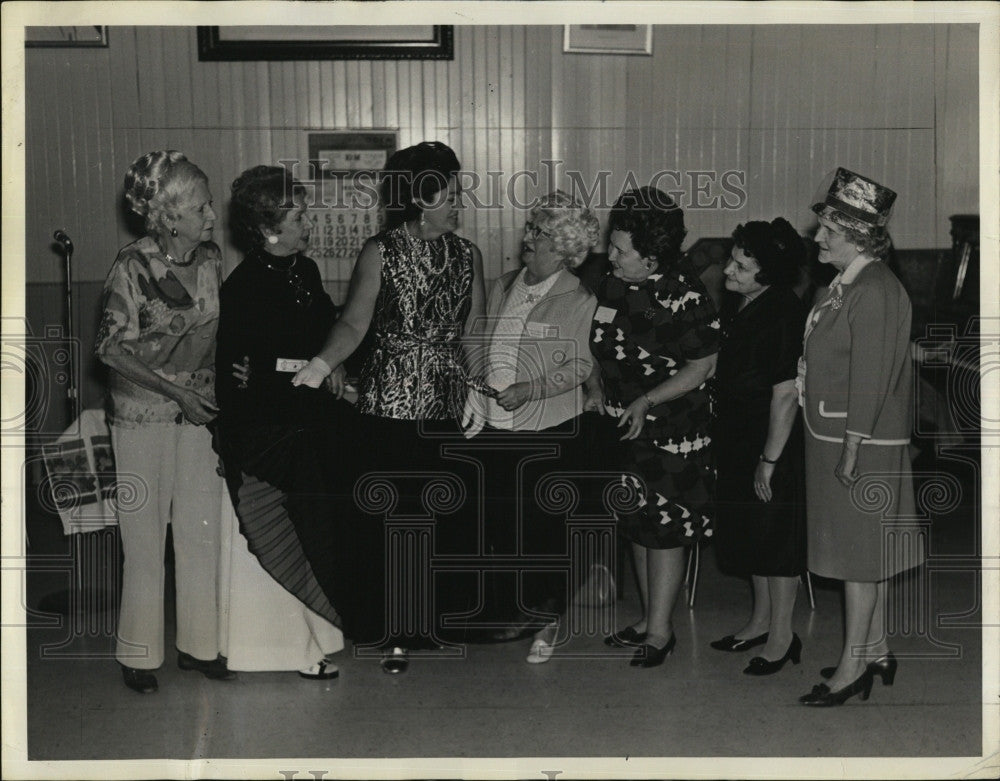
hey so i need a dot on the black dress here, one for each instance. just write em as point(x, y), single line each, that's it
point(643, 334)
point(760, 348)
point(284, 448)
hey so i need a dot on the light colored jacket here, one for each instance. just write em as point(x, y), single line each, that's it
point(859, 374)
point(553, 353)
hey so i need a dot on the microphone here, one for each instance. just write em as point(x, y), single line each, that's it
point(63, 239)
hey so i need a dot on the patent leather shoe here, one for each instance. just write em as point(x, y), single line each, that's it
point(822, 697)
point(650, 656)
point(142, 681)
point(761, 666)
point(730, 643)
point(884, 667)
point(214, 669)
point(625, 638)
point(395, 661)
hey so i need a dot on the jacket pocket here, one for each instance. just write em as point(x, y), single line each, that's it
point(823, 413)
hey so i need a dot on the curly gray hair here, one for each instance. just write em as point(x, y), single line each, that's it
point(572, 226)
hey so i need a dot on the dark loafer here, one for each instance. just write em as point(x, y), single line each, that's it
point(142, 681)
point(215, 669)
point(626, 638)
point(730, 643)
point(395, 661)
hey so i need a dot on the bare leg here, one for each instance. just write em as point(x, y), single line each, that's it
point(783, 592)
point(859, 598)
point(639, 556)
point(665, 574)
point(878, 645)
point(761, 615)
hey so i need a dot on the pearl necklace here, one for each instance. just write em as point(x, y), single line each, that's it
point(423, 253)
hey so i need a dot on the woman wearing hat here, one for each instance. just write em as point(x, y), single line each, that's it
point(857, 382)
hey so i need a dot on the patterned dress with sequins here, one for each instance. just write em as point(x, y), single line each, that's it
point(414, 370)
point(643, 334)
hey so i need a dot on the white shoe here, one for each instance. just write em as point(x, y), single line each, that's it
point(321, 671)
point(541, 649)
point(540, 652)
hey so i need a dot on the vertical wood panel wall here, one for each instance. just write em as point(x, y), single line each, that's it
point(782, 105)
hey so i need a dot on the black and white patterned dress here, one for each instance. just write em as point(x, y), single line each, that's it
point(643, 334)
point(414, 370)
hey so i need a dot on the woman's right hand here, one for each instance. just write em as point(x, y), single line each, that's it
point(196, 407)
point(313, 373)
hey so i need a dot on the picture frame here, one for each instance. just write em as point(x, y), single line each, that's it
point(354, 42)
point(634, 39)
point(82, 37)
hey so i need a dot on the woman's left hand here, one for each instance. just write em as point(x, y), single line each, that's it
point(762, 480)
point(634, 417)
point(846, 470)
point(513, 396)
point(335, 382)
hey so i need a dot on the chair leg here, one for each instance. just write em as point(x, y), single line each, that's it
point(696, 554)
point(809, 588)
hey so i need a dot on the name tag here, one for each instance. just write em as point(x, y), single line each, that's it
point(605, 314)
point(289, 365)
point(541, 330)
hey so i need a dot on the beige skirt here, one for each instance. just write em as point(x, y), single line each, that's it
point(867, 532)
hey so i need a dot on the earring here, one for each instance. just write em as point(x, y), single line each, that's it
point(173, 232)
point(272, 239)
point(423, 220)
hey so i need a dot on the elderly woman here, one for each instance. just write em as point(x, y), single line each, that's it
point(655, 336)
point(280, 443)
point(536, 357)
point(757, 439)
point(157, 335)
point(857, 403)
point(419, 287)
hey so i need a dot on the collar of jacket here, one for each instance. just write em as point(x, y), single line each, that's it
point(566, 282)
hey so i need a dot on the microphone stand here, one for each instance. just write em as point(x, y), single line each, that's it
point(73, 603)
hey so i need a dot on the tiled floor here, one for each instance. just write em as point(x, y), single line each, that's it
point(586, 702)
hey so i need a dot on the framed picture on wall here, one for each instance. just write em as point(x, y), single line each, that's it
point(608, 38)
point(91, 36)
point(344, 42)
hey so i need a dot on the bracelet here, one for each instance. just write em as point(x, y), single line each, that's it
point(768, 460)
point(649, 401)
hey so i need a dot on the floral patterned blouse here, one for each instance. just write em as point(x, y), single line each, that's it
point(150, 314)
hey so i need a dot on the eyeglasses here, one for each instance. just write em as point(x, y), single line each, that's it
point(533, 232)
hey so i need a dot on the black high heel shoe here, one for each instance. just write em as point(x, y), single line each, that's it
point(651, 656)
point(625, 638)
point(730, 643)
point(822, 697)
point(884, 667)
point(395, 661)
point(761, 666)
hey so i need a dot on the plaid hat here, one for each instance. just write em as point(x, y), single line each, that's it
point(856, 203)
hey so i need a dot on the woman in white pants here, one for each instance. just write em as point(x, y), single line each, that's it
point(157, 335)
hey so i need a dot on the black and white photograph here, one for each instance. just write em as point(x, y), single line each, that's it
point(500, 390)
